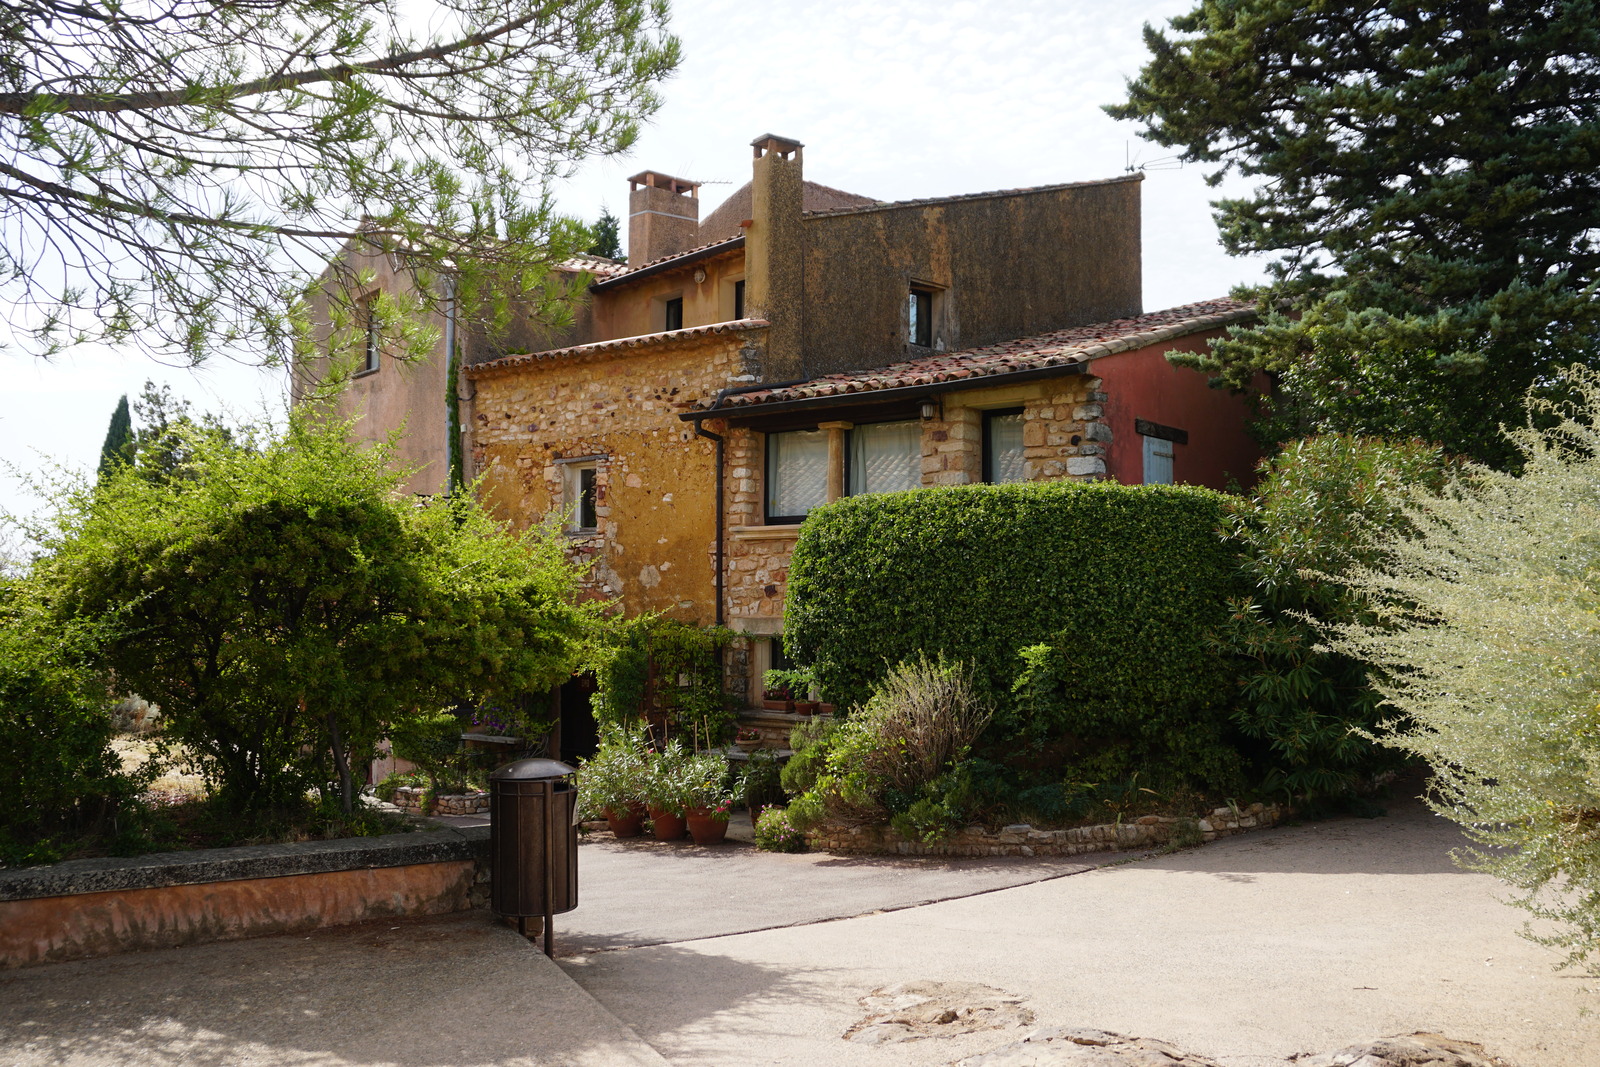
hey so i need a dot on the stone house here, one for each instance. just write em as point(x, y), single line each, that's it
point(802, 343)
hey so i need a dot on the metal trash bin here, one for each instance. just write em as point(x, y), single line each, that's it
point(533, 842)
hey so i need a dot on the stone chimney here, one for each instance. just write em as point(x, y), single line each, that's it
point(773, 270)
point(663, 216)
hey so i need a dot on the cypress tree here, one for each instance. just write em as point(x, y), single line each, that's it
point(118, 447)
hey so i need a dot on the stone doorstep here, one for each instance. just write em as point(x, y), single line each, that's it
point(159, 869)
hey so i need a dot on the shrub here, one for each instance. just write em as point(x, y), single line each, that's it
point(285, 604)
point(1086, 613)
point(433, 743)
point(1313, 517)
point(1124, 581)
point(613, 779)
point(649, 663)
point(775, 832)
point(762, 784)
point(1483, 642)
point(63, 781)
point(900, 759)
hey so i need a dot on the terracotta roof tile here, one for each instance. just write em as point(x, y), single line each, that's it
point(1059, 348)
point(646, 340)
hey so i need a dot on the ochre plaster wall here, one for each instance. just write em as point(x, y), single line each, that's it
point(1141, 384)
point(87, 925)
point(656, 481)
point(635, 309)
point(1003, 266)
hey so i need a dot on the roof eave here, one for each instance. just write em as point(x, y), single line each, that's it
point(732, 244)
point(899, 392)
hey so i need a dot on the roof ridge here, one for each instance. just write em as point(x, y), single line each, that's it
point(643, 340)
point(883, 205)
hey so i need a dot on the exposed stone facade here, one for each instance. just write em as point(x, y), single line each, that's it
point(1148, 831)
point(652, 544)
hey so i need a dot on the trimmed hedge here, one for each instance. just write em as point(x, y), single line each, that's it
point(1112, 590)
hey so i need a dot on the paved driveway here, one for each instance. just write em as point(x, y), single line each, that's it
point(1249, 950)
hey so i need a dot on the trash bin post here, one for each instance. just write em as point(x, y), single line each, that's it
point(533, 843)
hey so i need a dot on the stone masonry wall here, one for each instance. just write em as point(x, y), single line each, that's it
point(655, 480)
point(1064, 439)
point(1149, 831)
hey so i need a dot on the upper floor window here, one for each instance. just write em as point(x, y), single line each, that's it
point(674, 309)
point(580, 495)
point(738, 299)
point(885, 457)
point(919, 310)
point(797, 474)
point(1002, 447)
point(372, 330)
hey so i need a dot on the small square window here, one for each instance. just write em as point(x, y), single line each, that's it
point(580, 497)
point(674, 309)
point(919, 311)
point(1003, 460)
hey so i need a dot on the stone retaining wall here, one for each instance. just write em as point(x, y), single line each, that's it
point(409, 798)
point(83, 909)
point(1020, 839)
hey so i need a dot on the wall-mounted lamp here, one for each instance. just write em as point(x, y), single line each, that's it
point(930, 409)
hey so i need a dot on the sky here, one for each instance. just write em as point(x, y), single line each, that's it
point(898, 99)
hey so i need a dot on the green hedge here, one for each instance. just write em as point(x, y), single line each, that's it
point(1086, 609)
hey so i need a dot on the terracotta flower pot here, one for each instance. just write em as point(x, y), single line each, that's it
point(706, 828)
point(665, 825)
point(626, 824)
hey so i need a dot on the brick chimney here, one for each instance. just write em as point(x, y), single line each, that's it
point(663, 216)
point(774, 288)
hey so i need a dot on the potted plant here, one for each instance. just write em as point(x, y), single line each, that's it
point(708, 800)
point(775, 691)
point(763, 784)
point(747, 738)
point(611, 783)
point(667, 784)
point(801, 686)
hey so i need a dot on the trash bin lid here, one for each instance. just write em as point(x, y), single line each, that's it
point(526, 769)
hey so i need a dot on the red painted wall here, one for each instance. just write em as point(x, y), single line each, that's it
point(1141, 384)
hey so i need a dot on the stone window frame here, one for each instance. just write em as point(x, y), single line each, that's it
point(661, 312)
point(573, 469)
point(734, 296)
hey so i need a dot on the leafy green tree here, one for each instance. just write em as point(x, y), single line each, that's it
point(285, 605)
point(607, 237)
point(55, 732)
point(1483, 644)
point(169, 172)
point(1429, 179)
point(118, 446)
point(1312, 518)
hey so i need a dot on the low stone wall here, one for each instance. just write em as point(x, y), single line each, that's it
point(409, 798)
point(1020, 839)
point(83, 909)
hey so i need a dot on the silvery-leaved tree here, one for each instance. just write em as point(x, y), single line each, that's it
point(1485, 647)
point(176, 174)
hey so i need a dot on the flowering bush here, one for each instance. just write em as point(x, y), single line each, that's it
point(775, 833)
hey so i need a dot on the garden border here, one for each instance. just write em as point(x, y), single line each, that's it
point(81, 909)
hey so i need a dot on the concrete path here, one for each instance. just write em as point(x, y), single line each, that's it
point(455, 992)
point(1303, 939)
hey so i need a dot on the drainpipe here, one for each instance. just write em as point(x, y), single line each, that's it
point(452, 441)
point(701, 431)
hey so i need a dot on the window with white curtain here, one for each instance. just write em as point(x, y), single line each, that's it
point(885, 457)
point(1002, 447)
point(797, 474)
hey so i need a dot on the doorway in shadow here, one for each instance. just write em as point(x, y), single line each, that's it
point(576, 736)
